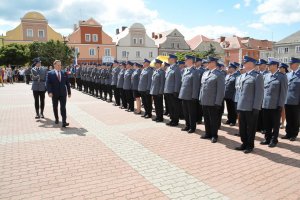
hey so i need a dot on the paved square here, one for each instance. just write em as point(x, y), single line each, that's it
point(107, 153)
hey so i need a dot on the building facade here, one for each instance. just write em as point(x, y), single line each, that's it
point(170, 42)
point(33, 28)
point(235, 48)
point(287, 47)
point(201, 43)
point(91, 43)
point(134, 44)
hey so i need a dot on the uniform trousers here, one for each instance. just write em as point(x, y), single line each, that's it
point(159, 107)
point(123, 98)
point(39, 100)
point(292, 120)
point(212, 120)
point(231, 110)
point(147, 102)
point(189, 108)
point(247, 127)
point(271, 119)
point(174, 104)
point(62, 100)
point(116, 94)
point(129, 100)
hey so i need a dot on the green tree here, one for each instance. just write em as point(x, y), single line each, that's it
point(14, 54)
point(50, 51)
point(198, 54)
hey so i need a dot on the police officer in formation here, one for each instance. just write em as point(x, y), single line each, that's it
point(78, 77)
point(200, 87)
point(108, 80)
point(189, 93)
point(211, 98)
point(157, 90)
point(172, 89)
point(144, 88)
point(275, 90)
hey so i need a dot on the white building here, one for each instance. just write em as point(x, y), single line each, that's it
point(134, 44)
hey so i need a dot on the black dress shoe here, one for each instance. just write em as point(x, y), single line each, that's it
point(65, 124)
point(168, 123)
point(205, 137)
point(166, 113)
point(272, 144)
point(137, 113)
point(214, 140)
point(246, 151)
point(185, 129)
point(37, 116)
point(42, 115)
point(56, 121)
point(292, 139)
point(240, 148)
point(154, 119)
point(191, 131)
point(148, 116)
point(174, 124)
point(144, 115)
point(265, 142)
point(285, 137)
point(159, 120)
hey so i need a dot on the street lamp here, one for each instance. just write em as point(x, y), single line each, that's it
point(98, 54)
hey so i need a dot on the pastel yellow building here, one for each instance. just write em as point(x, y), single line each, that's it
point(33, 28)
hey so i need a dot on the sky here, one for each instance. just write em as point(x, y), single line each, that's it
point(261, 19)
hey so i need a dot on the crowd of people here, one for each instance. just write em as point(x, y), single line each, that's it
point(14, 74)
point(258, 94)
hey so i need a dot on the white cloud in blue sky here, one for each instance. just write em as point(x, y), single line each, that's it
point(256, 18)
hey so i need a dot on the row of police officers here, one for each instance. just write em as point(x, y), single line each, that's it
point(255, 92)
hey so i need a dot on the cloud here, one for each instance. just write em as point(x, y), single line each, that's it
point(258, 26)
point(112, 14)
point(279, 11)
point(220, 11)
point(247, 3)
point(237, 6)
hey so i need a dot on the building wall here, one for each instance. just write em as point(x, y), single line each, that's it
point(205, 46)
point(132, 56)
point(35, 27)
point(285, 56)
point(91, 30)
point(236, 55)
point(175, 42)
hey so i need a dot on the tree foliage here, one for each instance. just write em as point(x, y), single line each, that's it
point(198, 54)
point(14, 54)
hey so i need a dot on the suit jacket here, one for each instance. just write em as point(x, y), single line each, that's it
point(293, 93)
point(190, 84)
point(135, 79)
point(230, 86)
point(173, 79)
point(56, 87)
point(275, 90)
point(237, 88)
point(145, 79)
point(158, 82)
point(251, 91)
point(108, 77)
point(38, 79)
point(88, 74)
point(93, 74)
point(115, 73)
point(120, 82)
point(127, 79)
point(212, 88)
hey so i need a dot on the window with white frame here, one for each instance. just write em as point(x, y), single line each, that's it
point(283, 50)
point(95, 37)
point(134, 41)
point(150, 54)
point(107, 52)
point(141, 40)
point(124, 54)
point(285, 59)
point(87, 37)
point(41, 33)
point(286, 50)
point(29, 33)
point(92, 52)
point(297, 48)
point(138, 54)
point(164, 53)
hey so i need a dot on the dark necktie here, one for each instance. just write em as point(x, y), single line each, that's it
point(58, 75)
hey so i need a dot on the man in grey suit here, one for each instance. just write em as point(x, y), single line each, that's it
point(292, 103)
point(144, 88)
point(275, 90)
point(189, 93)
point(230, 94)
point(211, 97)
point(157, 90)
point(39, 75)
point(172, 89)
point(249, 103)
point(127, 87)
point(120, 84)
point(115, 72)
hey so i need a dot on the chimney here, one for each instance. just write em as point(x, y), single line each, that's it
point(117, 31)
point(123, 28)
point(75, 27)
point(160, 35)
point(153, 34)
point(222, 39)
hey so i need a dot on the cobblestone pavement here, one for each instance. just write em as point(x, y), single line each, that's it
point(108, 153)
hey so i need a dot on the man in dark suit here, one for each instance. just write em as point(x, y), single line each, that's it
point(58, 88)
